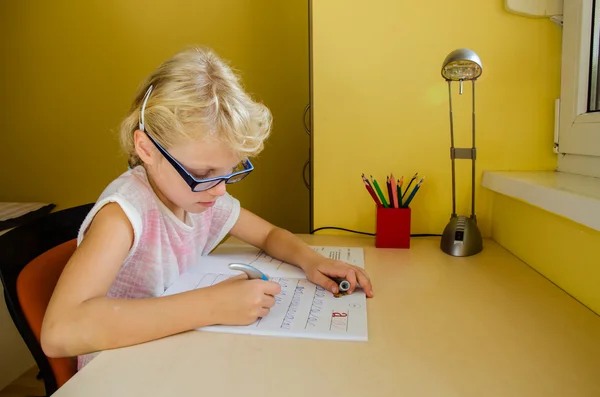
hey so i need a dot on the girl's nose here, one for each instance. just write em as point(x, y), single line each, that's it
point(218, 190)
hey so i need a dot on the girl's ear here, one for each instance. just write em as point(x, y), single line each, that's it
point(143, 147)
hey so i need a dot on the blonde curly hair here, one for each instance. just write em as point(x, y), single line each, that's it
point(195, 95)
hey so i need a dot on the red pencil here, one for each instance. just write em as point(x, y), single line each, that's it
point(371, 191)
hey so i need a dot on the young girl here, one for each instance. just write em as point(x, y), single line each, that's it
point(191, 130)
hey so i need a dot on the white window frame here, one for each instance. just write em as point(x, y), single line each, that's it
point(579, 131)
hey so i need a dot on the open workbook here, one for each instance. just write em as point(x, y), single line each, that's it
point(302, 309)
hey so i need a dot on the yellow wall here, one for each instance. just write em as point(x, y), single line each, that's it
point(564, 251)
point(69, 70)
point(378, 91)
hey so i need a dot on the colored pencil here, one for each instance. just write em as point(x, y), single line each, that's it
point(367, 181)
point(410, 183)
point(388, 183)
point(399, 189)
point(412, 194)
point(370, 190)
point(394, 191)
point(379, 193)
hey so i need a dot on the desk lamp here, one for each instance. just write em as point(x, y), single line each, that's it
point(462, 236)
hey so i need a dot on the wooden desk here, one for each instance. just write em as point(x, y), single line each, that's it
point(487, 325)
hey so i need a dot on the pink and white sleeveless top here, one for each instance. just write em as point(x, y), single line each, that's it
point(163, 246)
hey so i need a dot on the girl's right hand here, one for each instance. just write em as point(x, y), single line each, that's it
point(239, 301)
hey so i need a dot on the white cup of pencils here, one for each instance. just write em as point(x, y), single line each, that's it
point(393, 212)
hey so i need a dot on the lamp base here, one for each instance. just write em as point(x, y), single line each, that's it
point(461, 237)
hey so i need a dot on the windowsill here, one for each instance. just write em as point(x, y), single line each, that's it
point(574, 197)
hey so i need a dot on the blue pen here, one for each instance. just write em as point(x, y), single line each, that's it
point(251, 271)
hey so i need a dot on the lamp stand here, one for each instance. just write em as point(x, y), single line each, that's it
point(462, 236)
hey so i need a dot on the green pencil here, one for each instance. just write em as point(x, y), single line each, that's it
point(381, 197)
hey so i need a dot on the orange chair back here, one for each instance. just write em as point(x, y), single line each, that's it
point(35, 285)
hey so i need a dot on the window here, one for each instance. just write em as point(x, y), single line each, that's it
point(594, 87)
point(579, 119)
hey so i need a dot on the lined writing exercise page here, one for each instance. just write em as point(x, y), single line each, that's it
point(302, 309)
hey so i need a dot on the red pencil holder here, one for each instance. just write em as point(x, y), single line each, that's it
point(392, 228)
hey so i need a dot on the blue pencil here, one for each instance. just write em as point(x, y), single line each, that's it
point(410, 183)
point(412, 194)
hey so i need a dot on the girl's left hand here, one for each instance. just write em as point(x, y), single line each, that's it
point(320, 272)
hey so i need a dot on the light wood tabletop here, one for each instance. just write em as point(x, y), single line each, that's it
point(486, 325)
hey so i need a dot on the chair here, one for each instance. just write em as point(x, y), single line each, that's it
point(32, 257)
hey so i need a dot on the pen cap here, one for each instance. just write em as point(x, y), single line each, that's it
point(393, 228)
point(251, 271)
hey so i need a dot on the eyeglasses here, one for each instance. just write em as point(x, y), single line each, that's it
point(197, 185)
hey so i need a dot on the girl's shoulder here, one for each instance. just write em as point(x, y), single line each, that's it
point(132, 183)
point(132, 192)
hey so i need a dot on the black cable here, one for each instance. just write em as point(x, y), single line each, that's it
point(371, 234)
point(341, 228)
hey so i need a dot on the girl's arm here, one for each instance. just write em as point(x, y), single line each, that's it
point(81, 319)
point(281, 244)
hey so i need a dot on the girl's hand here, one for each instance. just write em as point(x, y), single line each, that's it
point(239, 301)
point(321, 272)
